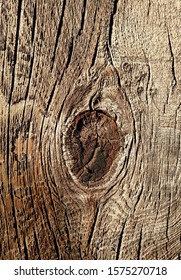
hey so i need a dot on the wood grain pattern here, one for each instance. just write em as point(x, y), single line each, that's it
point(59, 59)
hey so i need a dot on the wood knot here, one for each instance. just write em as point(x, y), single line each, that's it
point(93, 142)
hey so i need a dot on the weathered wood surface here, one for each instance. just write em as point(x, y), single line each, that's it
point(121, 59)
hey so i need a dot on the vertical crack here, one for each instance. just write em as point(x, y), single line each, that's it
point(28, 86)
point(34, 24)
point(16, 48)
point(12, 83)
point(93, 226)
point(139, 245)
point(148, 76)
point(69, 53)
point(51, 96)
point(9, 122)
point(51, 229)
point(120, 241)
point(112, 21)
point(6, 223)
point(58, 33)
point(149, 6)
point(25, 249)
point(83, 16)
point(29, 80)
point(173, 61)
point(167, 226)
point(36, 244)
point(95, 53)
point(139, 197)
point(15, 224)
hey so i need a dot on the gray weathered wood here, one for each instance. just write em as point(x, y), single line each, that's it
point(58, 59)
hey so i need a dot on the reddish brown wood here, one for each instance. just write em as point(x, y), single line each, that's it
point(94, 141)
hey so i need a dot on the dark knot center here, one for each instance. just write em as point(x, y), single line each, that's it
point(93, 142)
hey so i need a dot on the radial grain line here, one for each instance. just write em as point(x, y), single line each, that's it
point(58, 33)
point(120, 241)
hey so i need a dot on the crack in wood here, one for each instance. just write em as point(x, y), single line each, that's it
point(58, 33)
point(112, 21)
point(83, 16)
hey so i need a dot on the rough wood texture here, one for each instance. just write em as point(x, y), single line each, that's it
point(93, 142)
point(58, 60)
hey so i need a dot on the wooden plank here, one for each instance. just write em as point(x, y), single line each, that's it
point(90, 128)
